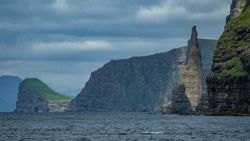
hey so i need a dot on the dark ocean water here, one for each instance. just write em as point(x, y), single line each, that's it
point(121, 126)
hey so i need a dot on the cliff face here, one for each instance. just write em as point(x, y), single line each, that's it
point(8, 92)
point(31, 101)
point(229, 81)
point(137, 84)
point(35, 96)
point(237, 8)
point(191, 76)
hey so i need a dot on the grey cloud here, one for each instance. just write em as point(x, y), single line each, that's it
point(90, 50)
point(26, 23)
point(188, 10)
point(95, 18)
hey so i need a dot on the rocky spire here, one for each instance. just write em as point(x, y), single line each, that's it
point(193, 55)
point(191, 77)
point(237, 7)
point(194, 39)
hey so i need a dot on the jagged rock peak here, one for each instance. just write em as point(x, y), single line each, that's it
point(237, 7)
point(191, 76)
point(194, 37)
point(193, 51)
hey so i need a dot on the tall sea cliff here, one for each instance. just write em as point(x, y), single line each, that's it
point(229, 80)
point(139, 83)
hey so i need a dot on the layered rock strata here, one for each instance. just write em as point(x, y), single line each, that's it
point(191, 75)
point(136, 84)
point(192, 78)
point(180, 102)
point(229, 81)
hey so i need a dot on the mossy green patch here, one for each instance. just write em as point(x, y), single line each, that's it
point(243, 20)
point(37, 85)
point(230, 42)
point(240, 22)
point(237, 69)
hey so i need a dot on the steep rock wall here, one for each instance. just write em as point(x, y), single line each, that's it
point(33, 97)
point(136, 84)
point(229, 81)
point(30, 101)
point(237, 8)
point(180, 102)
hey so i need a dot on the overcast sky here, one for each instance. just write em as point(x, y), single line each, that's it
point(62, 41)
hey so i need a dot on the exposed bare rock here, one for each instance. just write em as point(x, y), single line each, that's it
point(191, 76)
point(237, 8)
point(136, 84)
point(31, 101)
point(180, 101)
point(35, 96)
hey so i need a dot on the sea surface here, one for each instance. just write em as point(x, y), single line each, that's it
point(108, 126)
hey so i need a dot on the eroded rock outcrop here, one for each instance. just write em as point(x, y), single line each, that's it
point(192, 80)
point(229, 81)
point(180, 102)
point(35, 96)
point(191, 76)
point(31, 101)
point(237, 8)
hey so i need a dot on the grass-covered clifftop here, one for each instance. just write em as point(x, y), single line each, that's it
point(244, 19)
point(233, 48)
point(229, 82)
point(36, 85)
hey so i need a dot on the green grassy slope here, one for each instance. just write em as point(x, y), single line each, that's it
point(244, 19)
point(230, 43)
point(37, 85)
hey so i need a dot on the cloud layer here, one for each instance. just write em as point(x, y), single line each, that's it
point(179, 10)
point(63, 41)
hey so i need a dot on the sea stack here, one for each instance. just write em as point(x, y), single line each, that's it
point(191, 76)
point(186, 96)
